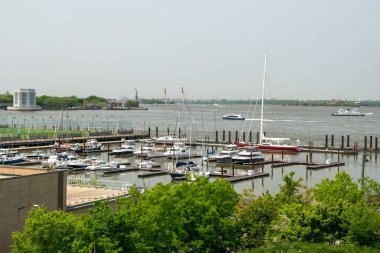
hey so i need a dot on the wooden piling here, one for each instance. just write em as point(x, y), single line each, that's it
point(250, 136)
point(342, 143)
point(370, 142)
point(229, 136)
point(326, 141)
point(348, 141)
point(157, 132)
point(257, 137)
point(179, 132)
point(365, 142)
point(332, 140)
point(224, 135)
point(244, 136)
point(216, 136)
point(375, 143)
point(272, 161)
point(236, 136)
point(149, 132)
point(307, 160)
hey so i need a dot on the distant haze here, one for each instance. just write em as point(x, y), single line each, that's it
point(318, 49)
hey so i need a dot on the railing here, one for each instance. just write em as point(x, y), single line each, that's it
point(98, 183)
point(89, 190)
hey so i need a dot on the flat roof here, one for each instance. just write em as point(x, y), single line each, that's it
point(12, 171)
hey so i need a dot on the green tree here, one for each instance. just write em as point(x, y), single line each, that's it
point(195, 216)
point(255, 216)
point(55, 231)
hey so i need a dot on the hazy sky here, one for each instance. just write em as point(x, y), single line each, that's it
point(317, 49)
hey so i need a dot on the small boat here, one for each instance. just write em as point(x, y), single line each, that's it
point(232, 116)
point(7, 152)
point(88, 146)
point(150, 151)
point(38, 154)
point(178, 150)
point(248, 156)
point(170, 139)
point(348, 112)
point(10, 159)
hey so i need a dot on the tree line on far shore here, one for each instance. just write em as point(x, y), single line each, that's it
point(203, 216)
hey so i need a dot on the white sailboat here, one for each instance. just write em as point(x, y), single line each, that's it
point(270, 143)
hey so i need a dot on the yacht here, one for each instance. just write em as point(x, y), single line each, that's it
point(178, 150)
point(248, 156)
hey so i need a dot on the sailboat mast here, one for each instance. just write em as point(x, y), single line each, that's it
point(262, 101)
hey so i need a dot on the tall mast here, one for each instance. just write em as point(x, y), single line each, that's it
point(262, 101)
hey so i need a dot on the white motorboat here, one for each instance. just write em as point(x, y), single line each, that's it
point(251, 155)
point(128, 147)
point(178, 150)
point(348, 112)
point(88, 146)
point(232, 116)
point(150, 151)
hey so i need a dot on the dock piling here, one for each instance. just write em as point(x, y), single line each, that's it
point(250, 136)
point(229, 136)
point(342, 142)
point(236, 136)
point(244, 136)
point(332, 140)
point(370, 142)
point(224, 135)
point(326, 141)
point(216, 136)
point(348, 141)
point(375, 143)
point(365, 142)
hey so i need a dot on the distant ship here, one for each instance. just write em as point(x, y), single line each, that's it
point(348, 112)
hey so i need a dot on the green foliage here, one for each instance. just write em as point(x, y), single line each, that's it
point(255, 216)
point(193, 216)
point(6, 98)
point(310, 248)
point(55, 231)
point(51, 102)
point(203, 216)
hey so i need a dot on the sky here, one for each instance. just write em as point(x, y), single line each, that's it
point(316, 49)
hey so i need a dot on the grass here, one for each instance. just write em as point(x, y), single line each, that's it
point(310, 248)
point(29, 133)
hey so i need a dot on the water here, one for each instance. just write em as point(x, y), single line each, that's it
point(201, 121)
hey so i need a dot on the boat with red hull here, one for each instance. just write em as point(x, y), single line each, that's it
point(270, 144)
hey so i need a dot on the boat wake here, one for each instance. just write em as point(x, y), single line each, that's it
point(289, 120)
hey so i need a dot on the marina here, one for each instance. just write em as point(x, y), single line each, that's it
point(323, 151)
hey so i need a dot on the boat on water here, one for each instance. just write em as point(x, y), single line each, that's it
point(251, 155)
point(128, 147)
point(178, 150)
point(270, 143)
point(232, 116)
point(10, 159)
point(225, 155)
point(348, 112)
point(189, 169)
point(88, 146)
point(149, 150)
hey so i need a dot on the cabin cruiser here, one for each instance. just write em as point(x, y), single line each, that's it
point(232, 116)
point(128, 147)
point(251, 155)
point(170, 139)
point(225, 155)
point(149, 150)
point(89, 145)
point(178, 150)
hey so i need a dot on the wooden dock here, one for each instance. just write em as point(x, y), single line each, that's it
point(247, 177)
point(324, 165)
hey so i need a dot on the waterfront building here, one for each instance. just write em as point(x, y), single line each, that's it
point(24, 100)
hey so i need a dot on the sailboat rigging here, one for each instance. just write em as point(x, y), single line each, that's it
point(270, 143)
